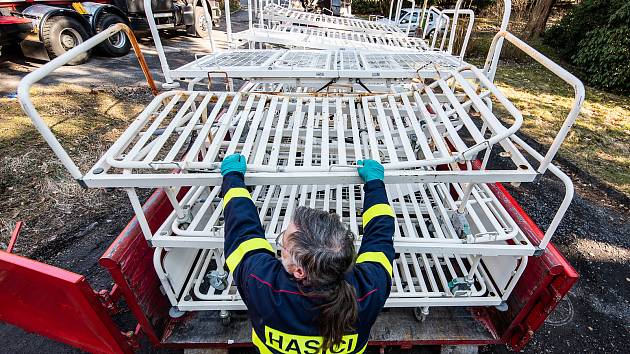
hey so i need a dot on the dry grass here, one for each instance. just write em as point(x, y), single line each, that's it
point(34, 186)
point(599, 142)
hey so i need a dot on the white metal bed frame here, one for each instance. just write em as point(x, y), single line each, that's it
point(317, 39)
point(141, 157)
point(183, 179)
point(277, 13)
point(419, 279)
point(429, 217)
point(325, 38)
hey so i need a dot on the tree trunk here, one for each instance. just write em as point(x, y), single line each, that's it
point(538, 19)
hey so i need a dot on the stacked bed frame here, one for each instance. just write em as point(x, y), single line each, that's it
point(302, 118)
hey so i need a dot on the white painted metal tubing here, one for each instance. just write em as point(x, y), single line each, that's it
point(568, 192)
point(569, 78)
point(471, 22)
point(157, 265)
point(423, 13)
point(391, 8)
point(250, 16)
point(206, 15)
point(413, 7)
point(507, 11)
point(24, 95)
point(158, 44)
point(228, 21)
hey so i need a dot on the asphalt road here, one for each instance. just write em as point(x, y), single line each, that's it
point(102, 71)
point(595, 317)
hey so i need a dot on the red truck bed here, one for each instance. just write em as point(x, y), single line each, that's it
point(61, 305)
point(546, 280)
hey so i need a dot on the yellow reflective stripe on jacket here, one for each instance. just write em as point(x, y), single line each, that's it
point(362, 349)
point(250, 245)
point(376, 257)
point(377, 210)
point(235, 193)
point(262, 348)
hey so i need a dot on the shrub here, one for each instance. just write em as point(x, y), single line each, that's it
point(604, 54)
point(595, 36)
point(588, 15)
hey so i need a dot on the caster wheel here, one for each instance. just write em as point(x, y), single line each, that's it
point(417, 313)
point(420, 314)
point(175, 313)
point(502, 307)
point(226, 317)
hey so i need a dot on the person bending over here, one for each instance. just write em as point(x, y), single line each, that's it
point(320, 296)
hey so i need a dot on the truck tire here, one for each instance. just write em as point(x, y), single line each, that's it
point(201, 28)
point(62, 33)
point(118, 44)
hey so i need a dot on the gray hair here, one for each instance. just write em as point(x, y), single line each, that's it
point(322, 245)
point(324, 248)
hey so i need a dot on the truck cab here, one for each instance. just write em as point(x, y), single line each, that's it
point(45, 30)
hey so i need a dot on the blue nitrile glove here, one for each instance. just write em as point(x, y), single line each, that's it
point(370, 170)
point(233, 163)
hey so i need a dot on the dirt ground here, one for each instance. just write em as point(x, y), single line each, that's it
point(70, 228)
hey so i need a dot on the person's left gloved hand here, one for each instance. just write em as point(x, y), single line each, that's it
point(233, 163)
point(370, 170)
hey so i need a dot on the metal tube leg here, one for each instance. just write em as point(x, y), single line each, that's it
point(206, 15)
point(228, 22)
point(467, 192)
point(137, 208)
point(473, 268)
point(170, 193)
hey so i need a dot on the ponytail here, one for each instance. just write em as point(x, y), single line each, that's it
point(324, 248)
point(338, 315)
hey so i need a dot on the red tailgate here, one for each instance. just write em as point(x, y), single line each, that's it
point(57, 304)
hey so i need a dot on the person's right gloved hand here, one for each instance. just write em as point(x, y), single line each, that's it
point(370, 170)
point(233, 163)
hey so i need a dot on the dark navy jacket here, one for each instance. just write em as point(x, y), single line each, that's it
point(284, 320)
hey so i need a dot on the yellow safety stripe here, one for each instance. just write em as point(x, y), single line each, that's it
point(235, 193)
point(376, 257)
point(250, 245)
point(262, 348)
point(377, 210)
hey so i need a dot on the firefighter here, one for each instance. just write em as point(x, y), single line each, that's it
point(320, 296)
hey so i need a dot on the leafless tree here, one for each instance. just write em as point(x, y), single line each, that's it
point(540, 11)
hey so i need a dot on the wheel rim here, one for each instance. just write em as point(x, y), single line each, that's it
point(118, 40)
point(69, 38)
point(202, 23)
